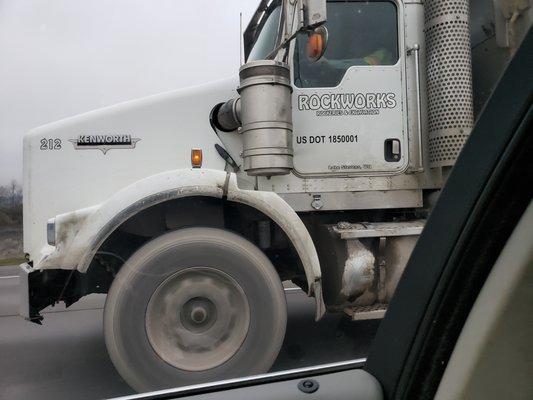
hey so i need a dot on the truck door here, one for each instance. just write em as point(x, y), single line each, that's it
point(348, 106)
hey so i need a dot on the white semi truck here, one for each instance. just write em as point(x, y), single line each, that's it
point(318, 165)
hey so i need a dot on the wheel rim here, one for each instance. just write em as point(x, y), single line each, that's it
point(197, 318)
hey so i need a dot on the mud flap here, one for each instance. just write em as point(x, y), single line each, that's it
point(25, 310)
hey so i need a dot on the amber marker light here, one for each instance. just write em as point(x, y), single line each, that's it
point(196, 158)
point(316, 43)
point(314, 46)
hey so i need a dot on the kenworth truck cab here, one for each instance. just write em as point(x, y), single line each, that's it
point(317, 165)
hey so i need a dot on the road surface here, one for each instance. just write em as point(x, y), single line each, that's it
point(66, 358)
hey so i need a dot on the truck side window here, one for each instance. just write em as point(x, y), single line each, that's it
point(360, 33)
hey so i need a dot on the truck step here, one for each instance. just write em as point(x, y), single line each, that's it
point(360, 313)
point(379, 229)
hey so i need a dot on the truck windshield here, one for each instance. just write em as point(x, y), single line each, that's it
point(267, 38)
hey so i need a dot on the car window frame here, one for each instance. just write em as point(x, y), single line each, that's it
point(401, 364)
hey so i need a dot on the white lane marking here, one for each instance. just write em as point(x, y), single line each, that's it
point(56, 311)
point(52, 311)
point(290, 289)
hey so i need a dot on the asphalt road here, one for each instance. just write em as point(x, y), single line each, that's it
point(66, 358)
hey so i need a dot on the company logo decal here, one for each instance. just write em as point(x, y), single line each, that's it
point(339, 104)
point(104, 142)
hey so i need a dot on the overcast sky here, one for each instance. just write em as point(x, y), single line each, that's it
point(59, 58)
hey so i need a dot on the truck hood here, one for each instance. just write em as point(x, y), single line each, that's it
point(81, 161)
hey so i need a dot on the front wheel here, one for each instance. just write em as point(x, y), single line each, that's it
point(194, 305)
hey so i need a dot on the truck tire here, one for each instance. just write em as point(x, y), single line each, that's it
point(194, 305)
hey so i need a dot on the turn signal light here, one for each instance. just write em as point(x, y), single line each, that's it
point(196, 158)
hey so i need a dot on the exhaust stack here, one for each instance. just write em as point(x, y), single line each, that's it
point(449, 79)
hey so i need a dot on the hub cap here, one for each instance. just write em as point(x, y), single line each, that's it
point(197, 318)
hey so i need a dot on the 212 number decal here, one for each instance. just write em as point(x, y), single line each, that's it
point(50, 144)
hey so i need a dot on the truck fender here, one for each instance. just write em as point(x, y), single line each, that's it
point(272, 205)
point(100, 221)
